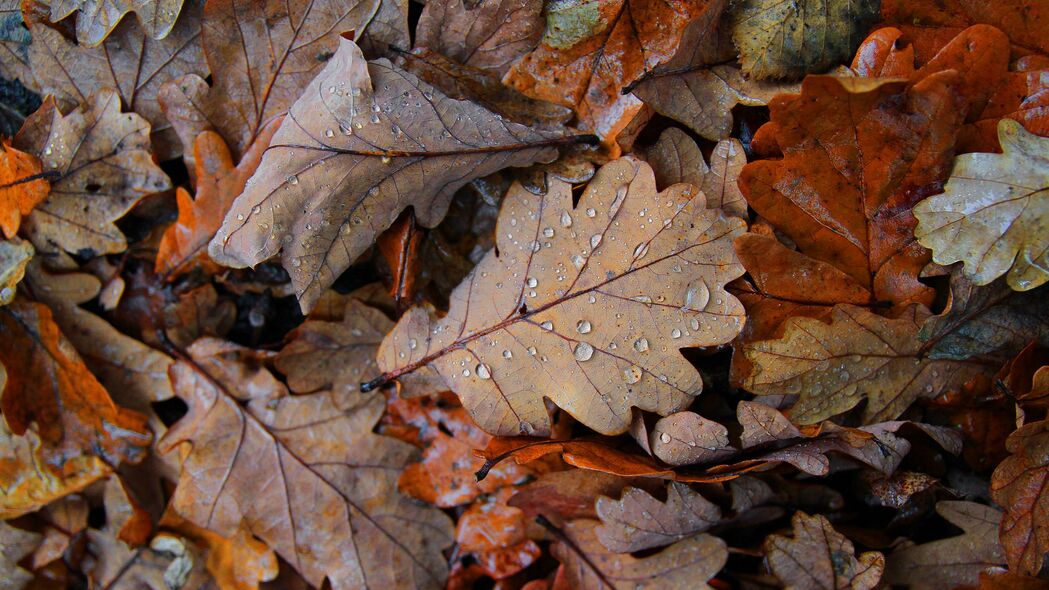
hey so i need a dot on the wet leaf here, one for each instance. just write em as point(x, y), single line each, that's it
point(676, 158)
point(686, 438)
point(352, 117)
point(817, 556)
point(96, 19)
point(995, 205)
point(1018, 485)
point(336, 513)
point(14, 256)
point(638, 521)
point(14, 42)
point(584, 321)
point(22, 187)
point(489, 36)
point(560, 496)
point(955, 561)
point(97, 155)
point(239, 562)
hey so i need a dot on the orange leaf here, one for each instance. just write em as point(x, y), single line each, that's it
point(22, 186)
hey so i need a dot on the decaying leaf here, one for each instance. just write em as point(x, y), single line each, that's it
point(489, 36)
point(96, 19)
point(129, 60)
point(588, 565)
point(955, 561)
point(303, 473)
point(857, 355)
point(239, 562)
point(22, 187)
point(16, 544)
point(790, 39)
point(817, 556)
point(1018, 485)
point(14, 256)
point(102, 166)
point(676, 158)
point(353, 116)
point(638, 521)
point(588, 305)
point(994, 213)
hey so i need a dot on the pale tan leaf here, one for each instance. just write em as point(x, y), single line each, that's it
point(675, 158)
point(14, 256)
point(994, 212)
point(489, 36)
point(638, 521)
point(685, 438)
point(819, 557)
point(587, 305)
point(15, 544)
point(97, 18)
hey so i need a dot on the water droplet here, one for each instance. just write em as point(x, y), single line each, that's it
point(525, 428)
point(385, 159)
point(329, 133)
point(595, 240)
point(566, 219)
point(532, 282)
point(240, 217)
point(547, 325)
point(583, 351)
point(256, 209)
point(296, 262)
point(466, 372)
point(292, 179)
point(664, 437)
point(507, 354)
point(632, 374)
point(483, 371)
point(592, 299)
point(583, 327)
point(675, 333)
point(548, 232)
point(640, 251)
point(531, 350)
point(642, 299)
point(412, 343)
point(578, 261)
point(641, 344)
point(590, 212)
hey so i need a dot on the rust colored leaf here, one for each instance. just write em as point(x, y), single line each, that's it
point(817, 556)
point(591, 50)
point(955, 561)
point(495, 535)
point(1018, 485)
point(994, 213)
point(17, 544)
point(596, 320)
point(185, 243)
point(14, 256)
point(129, 60)
point(352, 116)
point(857, 155)
point(638, 521)
point(560, 496)
point(22, 187)
point(53, 390)
point(303, 473)
point(489, 36)
point(676, 158)
point(239, 562)
point(96, 19)
point(588, 565)
point(856, 356)
point(262, 55)
point(97, 155)
point(399, 246)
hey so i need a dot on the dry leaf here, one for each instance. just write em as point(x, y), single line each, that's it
point(820, 557)
point(96, 19)
point(587, 565)
point(335, 512)
point(16, 544)
point(1018, 485)
point(102, 166)
point(129, 60)
point(790, 39)
point(353, 117)
point(591, 50)
point(14, 256)
point(955, 561)
point(489, 36)
point(994, 213)
point(676, 158)
point(638, 521)
point(22, 187)
point(596, 320)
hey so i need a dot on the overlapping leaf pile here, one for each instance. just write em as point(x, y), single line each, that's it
point(522, 294)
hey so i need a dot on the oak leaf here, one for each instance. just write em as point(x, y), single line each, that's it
point(587, 565)
point(994, 212)
point(97, 18)
point(22, 187)
point(955, 561)
point(675, 158)
point(561, 496)
point(335, 511)
point(820, 557)
point(638, 521)
point(790, 39)
point(595, 320)
point(14, 42)
point(14, 256)
point(17, 544)
point(239, 562)
point(1018, 485)
point(857, 155)
point(101, 163)
point(489, 36)
point(353, 116)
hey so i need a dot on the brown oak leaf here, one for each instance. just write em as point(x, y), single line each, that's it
point(675, 158)
point(96, 19)
point(489, 36)
point(817, 556)
point(1018, 485)
point(639, 521)
point(17, 544)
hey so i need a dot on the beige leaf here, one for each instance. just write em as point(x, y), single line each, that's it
point(489, 36)
point(820, 557)
point(98, 18)
point(587, 305)
point(685, 438)
point(14, 42)
point(14, 256)
point(638, 521)
point(405, 143)
point(994, 212)
point(675, 158)
point(16, 544)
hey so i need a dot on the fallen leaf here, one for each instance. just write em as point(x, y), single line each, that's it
point(955, 561)
point(591, 50)
point(96, 19)
point(1018, 485)
point(239, 562)
point(587, 564)
point(336, 513)
point(14, 256)
point(820, 557)
point(638, 521)
point(22, 187)
point(834, 366)
point(261, 56)
point(17, 544)
point(185, 243)
point(97, 155)
point(129, 61)
point(14, 42)
point(560, 496)
point(675, 158)
point(324, 133)
point(857, 155)
point(495, 535)
point(541, 322)
point(992, 215)
point(790, 39)
point(489, 36)
point(686, 438)
point(399, 246)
